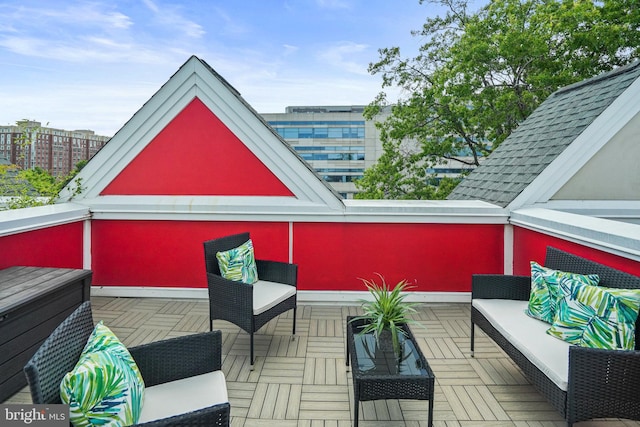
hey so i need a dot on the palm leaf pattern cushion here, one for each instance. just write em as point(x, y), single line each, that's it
point(239, 264)
point(599, 317)
point(544, 297)
point(105, 388)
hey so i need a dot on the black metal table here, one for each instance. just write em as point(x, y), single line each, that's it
point(381, 374)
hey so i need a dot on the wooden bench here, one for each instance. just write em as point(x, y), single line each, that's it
point(33, 301)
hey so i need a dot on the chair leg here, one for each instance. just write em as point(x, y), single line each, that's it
point(293, 337)
point(251, 349)
point(210, 324)
point(472, 338)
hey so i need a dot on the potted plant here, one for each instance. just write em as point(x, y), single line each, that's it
point(385, 315)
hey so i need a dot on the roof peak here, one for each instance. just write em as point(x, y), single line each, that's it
point(600, 77)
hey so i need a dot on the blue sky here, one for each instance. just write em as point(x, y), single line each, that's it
point(91, 64)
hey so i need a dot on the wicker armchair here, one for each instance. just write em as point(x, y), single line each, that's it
point(249, 307)
point(160, 362)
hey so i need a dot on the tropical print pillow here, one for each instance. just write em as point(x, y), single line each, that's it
point(105, 388)
point(239, 264)
point(599, 317)
point(545, 293)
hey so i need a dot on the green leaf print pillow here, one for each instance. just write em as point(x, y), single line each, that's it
point(105, 388)
point(239, 263)
point(599, 317)
point(545, 293)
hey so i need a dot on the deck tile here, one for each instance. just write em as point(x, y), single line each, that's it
point(304, 382)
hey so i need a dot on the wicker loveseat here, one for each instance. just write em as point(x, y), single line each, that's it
point(587, 383)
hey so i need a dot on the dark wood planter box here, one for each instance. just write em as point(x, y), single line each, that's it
point(33, 302)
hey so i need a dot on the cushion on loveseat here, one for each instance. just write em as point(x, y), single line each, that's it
point(529, 336)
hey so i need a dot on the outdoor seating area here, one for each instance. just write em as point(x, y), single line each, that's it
point(305, 382)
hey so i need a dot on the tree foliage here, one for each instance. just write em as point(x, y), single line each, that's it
point(478, 75)
point(22, 188)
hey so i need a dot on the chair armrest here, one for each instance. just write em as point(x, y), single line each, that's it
point(500, 286)
point(217, 415)
point(176, 358)
point(276, 271)
point(226, 292)
point(603, 383)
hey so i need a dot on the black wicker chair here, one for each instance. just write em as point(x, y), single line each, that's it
point(159, 362)
point(234, 301)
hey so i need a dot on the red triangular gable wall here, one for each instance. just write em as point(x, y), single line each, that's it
point(196, 154)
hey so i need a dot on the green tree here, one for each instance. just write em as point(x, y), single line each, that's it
point(21, 188)
point(478, 75)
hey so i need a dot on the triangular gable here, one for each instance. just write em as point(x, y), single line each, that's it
point(618, 93)
point(197, 146)
point(196, 154)
point(555, 141)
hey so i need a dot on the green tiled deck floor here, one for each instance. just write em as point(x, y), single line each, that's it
point(304, 382)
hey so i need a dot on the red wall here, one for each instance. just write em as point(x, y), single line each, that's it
point(59, 247)
point(170, 253)
point(331, 256)
point(436, 257)
point(531, 246)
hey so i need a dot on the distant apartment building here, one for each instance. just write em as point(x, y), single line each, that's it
point(336, 141)
point(29, 145)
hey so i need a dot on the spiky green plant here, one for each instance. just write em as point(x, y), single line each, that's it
point(387, 311)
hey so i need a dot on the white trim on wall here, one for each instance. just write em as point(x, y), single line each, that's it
point(618, 238)
point(508, 249)
point(287, 209)
point(86, 245)
point(304, 297)
point(16, 221)
point(290, 242)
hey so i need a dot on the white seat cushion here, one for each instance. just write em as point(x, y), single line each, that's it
point(529, 336)
point(182, 396)
point(267, 295)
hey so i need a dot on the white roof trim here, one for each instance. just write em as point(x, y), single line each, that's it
point(582, 149)
point(615, 237)
point(592, 207)
point(283, 209)
point(195, 79)
point(15, 221)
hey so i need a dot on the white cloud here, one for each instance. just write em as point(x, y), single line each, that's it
point(172, 18)
point(151, 5)
point(229, 25)
point(289, 49)
point(344, 56)
point(80, 14)
point(95, 31)
point(333, 4)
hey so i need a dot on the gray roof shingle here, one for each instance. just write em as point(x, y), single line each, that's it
point(550, 129)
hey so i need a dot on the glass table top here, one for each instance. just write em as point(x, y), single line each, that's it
point(371, 359)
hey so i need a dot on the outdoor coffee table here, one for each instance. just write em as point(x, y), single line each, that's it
point(378, 375)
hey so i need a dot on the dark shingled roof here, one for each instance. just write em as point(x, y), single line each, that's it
point(551, 128)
